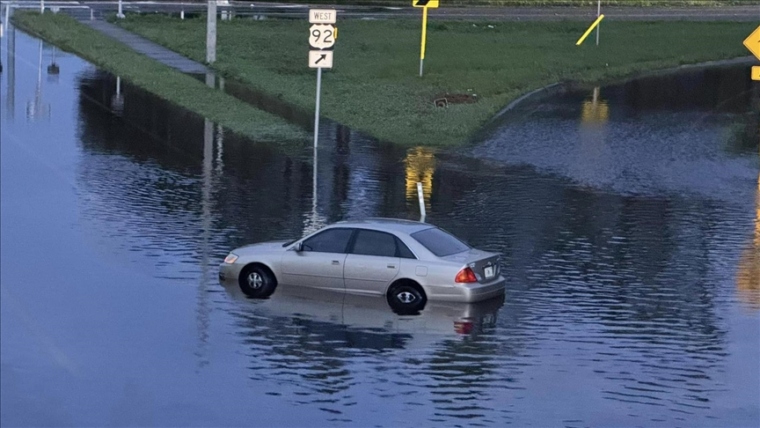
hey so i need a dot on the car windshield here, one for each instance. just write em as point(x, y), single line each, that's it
point(439, 242)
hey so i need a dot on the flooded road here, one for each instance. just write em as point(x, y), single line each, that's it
point(628, 216)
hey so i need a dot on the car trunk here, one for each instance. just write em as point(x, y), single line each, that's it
point(484, 264)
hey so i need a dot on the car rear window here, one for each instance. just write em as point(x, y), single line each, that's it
point(439, 242)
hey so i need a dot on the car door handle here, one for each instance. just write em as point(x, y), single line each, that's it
point(335, 262)
point(391, 266)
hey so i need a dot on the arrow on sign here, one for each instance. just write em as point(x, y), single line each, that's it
point(425, 3)
point(321, 57)
point(753, 42)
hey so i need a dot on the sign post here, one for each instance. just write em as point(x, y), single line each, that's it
point(752, 42)
point(598, 12)
point(322, 37)
point(424, 4)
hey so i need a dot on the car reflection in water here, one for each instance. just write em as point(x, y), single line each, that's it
point(369, 315)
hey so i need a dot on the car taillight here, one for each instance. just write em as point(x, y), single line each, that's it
point(466, 275)
point(463, 326)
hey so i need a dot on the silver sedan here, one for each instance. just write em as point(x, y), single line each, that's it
point(409, 262)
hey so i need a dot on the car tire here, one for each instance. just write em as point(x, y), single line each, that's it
point(257, 281)
point(406, 299)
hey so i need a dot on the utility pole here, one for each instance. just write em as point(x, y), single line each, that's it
point(211, 33)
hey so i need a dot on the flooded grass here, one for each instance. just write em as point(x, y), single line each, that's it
point(375, 87)
point(167, 83)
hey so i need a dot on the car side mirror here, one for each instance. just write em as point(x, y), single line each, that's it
point(298, 247)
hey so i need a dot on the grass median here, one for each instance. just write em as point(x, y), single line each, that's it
point(375, 87)
point(165, 82)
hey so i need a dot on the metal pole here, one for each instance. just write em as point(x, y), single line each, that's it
point(421, 197)
point(211, 33)
point(42, 6)
point(423, 42)
point(316, 112)
point(598, 12)
point(120, 14)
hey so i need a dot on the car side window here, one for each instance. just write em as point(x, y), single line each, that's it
point(374, 243)
point(329, 241)
point(403, 251)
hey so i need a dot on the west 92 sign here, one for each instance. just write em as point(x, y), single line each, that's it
point(322, 36)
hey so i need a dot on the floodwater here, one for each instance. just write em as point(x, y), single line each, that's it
point(628, 216)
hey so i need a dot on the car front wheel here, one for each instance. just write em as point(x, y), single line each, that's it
point(257, 281)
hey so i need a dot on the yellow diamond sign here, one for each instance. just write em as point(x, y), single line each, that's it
point(425, 3)
point(753, 42)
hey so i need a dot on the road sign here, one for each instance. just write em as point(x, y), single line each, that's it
point(752, 42)
point(323, 16)
point(320, 59)
point(425, 3)
point(322, 36)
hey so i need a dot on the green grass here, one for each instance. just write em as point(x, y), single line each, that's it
point(375, 86)
point(165, 82)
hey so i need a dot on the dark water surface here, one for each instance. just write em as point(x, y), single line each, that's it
point(629, 221)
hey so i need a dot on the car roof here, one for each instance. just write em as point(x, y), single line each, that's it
point(386, 224)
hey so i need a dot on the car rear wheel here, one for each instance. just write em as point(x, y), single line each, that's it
point(257, 281)
point(407, 298)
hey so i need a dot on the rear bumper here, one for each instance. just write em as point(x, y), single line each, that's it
point(485, 291)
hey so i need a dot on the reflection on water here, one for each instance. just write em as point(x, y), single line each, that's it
point(661, 134)
point(419, 167)
point(37, 108)
point(748, 275)
point(622, 298)
point(595, 109)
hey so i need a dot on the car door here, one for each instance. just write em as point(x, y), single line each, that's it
point(372, 262)
point(320, 262)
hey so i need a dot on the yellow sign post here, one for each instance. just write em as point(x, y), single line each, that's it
point(424, 4)
point(752, 43)
point(590, 29)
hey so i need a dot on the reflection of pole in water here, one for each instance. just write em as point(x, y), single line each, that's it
point(219, 148)
point(2, 34)
point(419, 166)
point(314, 221)
point(36, 108)
point(117, 101)
point(11, 64)
point(203, 310)
point(595, 110)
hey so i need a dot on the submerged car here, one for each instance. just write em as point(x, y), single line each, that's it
point(409, 262)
